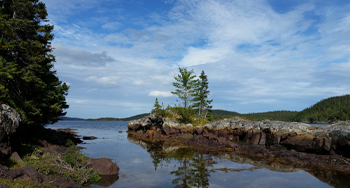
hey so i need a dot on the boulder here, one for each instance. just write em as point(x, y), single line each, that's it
point(27, 172)
point(9, 122)
point(16, 157)
point(104, 166)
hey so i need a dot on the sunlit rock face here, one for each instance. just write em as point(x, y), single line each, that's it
point(9, 122)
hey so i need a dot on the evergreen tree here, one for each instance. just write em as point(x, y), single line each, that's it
point(156, 106)
point(185, 84)
point(28, 82)
point(201, 94)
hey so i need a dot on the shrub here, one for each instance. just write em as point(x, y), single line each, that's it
point(70, 164)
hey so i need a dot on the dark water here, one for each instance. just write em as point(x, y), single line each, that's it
point(165, 165)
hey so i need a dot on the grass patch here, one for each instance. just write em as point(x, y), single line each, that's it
point(70, 164)
point(24, 183)
point(183, 115)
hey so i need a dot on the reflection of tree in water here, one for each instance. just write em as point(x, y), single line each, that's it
point(157, 153)
point(202, 175)
point(192, 172)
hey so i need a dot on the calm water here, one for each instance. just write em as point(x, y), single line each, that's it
point(163, 165)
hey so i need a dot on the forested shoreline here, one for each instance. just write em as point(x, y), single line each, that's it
point(327, 110)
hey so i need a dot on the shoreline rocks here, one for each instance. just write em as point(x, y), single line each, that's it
point(301, 137)
point(305, 145)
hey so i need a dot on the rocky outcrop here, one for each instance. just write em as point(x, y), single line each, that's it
point(9, 122)
point(297, 144)
point(301, 137)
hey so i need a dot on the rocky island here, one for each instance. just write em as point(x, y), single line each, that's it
point(297, 144)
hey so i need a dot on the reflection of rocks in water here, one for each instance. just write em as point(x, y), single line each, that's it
point(331, 177)
point(107, 180)
point(133, 139)
point(226, 170)
point(195, 162)
point(273, 165)
point(164, 145)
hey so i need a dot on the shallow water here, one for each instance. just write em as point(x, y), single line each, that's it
point(323, 125)
point(163, 165)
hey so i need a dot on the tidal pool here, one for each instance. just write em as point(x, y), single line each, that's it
point(161, 164)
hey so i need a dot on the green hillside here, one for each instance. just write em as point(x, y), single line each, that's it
point(281, 115)
point(273, 115)
point(119, 119)
point(220, 114)
point(331, 109)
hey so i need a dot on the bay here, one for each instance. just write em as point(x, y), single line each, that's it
point(150, 165)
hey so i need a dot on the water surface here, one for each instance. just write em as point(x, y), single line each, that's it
point(145, 164)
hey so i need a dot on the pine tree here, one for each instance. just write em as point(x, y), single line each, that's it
point(156, 106)
point(28, 82)
point(201, 94)
point(185, 84)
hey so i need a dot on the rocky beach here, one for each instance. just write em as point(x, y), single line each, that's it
point(15, 143)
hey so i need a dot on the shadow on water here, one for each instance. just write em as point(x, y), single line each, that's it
point(195, 166)
point(106, 181)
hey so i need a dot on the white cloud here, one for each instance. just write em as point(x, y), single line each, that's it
point(112, 25)
point(111, 80)
point(139, 82)
point(160, 94)
point(80, 57)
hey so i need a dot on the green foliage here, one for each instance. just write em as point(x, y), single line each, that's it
point(24, 183)
point(273, 115)
point(71, 164)
point(221, 114)
point(201, 102)
point(331, 109)
point(164, 113)
point(156, 106)
point(185, 84)
point(27, 81)
point(73, 156)
point(187, 115)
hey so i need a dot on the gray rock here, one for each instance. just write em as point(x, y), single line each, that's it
point(217, 125)
point(9, 122)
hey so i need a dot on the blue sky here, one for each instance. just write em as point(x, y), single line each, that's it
point(118, 56)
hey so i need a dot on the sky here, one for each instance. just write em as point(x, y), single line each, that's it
point(118, 56)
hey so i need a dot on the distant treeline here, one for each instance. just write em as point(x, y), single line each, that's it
point(120, 119)
point(281, 115)
point(327, 110)
point(273, 115)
